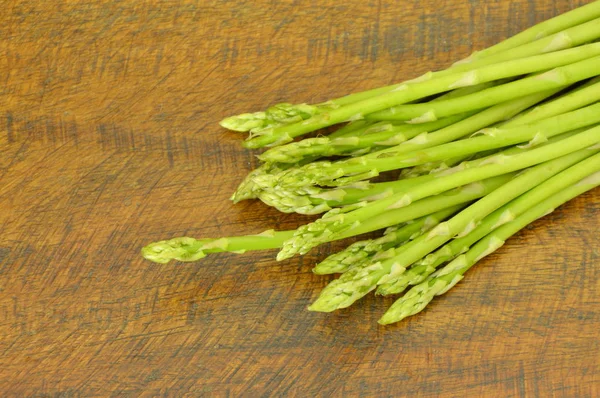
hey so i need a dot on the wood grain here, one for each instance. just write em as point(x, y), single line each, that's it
point(109, 140)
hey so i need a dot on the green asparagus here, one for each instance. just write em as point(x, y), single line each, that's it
point(417, 298)
point(357, 282)
point(422, 269)
point(412, 91)
point(470, 155)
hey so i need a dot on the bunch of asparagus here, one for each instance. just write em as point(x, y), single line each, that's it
point(477, 152)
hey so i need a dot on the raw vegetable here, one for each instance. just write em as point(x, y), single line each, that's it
point(472, 154)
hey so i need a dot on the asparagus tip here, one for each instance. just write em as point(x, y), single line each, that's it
point(182, 249)
point(244, 122)
point(387, 319)
point(322, 306)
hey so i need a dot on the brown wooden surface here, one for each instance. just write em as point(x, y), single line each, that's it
point(109, 140)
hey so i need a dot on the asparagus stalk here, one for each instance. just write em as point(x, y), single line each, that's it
point(433, 167)
point(417, 298)
point(556, 78)
point(576, 31)
point(190, 249)
point(249, 190)
point(561, 22)
point(315, 200)
point(569, 101)
point(360, 252)
point(493, 115)
point(416, 90)
point(357, 282)
point(265, 181)
point(356, 169)
point(494, 138)
point(382, 134)
point(422, 269)
point(452, 197)
point(325, 228)
point(571, 37)
point(572, 100)
point(574, 35)
point(441, 167)
point(360, 140)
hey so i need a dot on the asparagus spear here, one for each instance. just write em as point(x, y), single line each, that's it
point(380, 134)
point(417, 298)
point(315, 200)
point(357, 282)
point(574, 99)
point(360, 252)
point(361, 139)
point(495, 138)
point(422, 269)
point(570, 100)
point(556, 78)
point(266, 180)
point(322, 230)
point(190, 249)
point(249, 190)
point(577, 30)
point(413, 91)
point(579, 33)
point(561, 22)
point(332, 173)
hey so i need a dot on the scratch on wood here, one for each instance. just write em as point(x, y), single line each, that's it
point(9, 128)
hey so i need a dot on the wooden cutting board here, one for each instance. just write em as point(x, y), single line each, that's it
point(109, 140)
